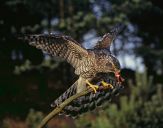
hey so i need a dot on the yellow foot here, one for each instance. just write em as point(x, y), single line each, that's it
point(94, 87)
point(106, 85)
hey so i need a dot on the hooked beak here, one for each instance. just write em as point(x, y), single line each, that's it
point(118, 76)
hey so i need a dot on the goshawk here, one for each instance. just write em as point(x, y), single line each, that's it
point(87, 62)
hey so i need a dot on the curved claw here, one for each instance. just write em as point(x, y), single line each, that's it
point(94, 87)
point(106, 85)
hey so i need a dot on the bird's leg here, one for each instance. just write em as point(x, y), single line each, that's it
point(106, 85)
point(94, 87)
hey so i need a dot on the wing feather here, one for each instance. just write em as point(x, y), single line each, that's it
point(59, 45)
point(107, 39)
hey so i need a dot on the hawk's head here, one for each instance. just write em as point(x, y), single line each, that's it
point(113, 65)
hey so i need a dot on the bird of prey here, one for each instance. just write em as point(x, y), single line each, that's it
point(87, 62)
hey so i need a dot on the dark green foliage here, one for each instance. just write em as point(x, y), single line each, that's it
point(149, 114)
point(34, 118)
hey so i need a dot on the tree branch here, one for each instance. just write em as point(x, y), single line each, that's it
point(59, 108)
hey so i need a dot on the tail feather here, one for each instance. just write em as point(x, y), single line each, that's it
point(88, 102)
point(68, 93)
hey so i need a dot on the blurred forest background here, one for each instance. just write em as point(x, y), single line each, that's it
point(30, 80)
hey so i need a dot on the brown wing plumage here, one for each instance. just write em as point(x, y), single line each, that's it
point(108, 38)
point(59, 45)
point(105, 41)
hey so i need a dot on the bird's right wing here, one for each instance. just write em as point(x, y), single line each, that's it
point(58, 45)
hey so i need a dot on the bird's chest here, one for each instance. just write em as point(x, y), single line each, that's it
point(86, 67)
point(100, 63)
point(101, 60)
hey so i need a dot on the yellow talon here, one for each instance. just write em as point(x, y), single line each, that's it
point(106, 85)
point(94, 87)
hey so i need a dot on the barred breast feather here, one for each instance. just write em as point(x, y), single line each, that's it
point(86, 68)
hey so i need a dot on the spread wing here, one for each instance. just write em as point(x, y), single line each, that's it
point(105, 41)
point(108, 38)
point(59, 45)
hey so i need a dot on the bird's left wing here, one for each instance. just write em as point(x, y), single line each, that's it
point(108, 38)
point(58, 45)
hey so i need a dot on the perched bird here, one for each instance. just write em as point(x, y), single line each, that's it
point(87, 62)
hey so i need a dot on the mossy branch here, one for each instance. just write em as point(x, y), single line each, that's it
point(59, 108)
